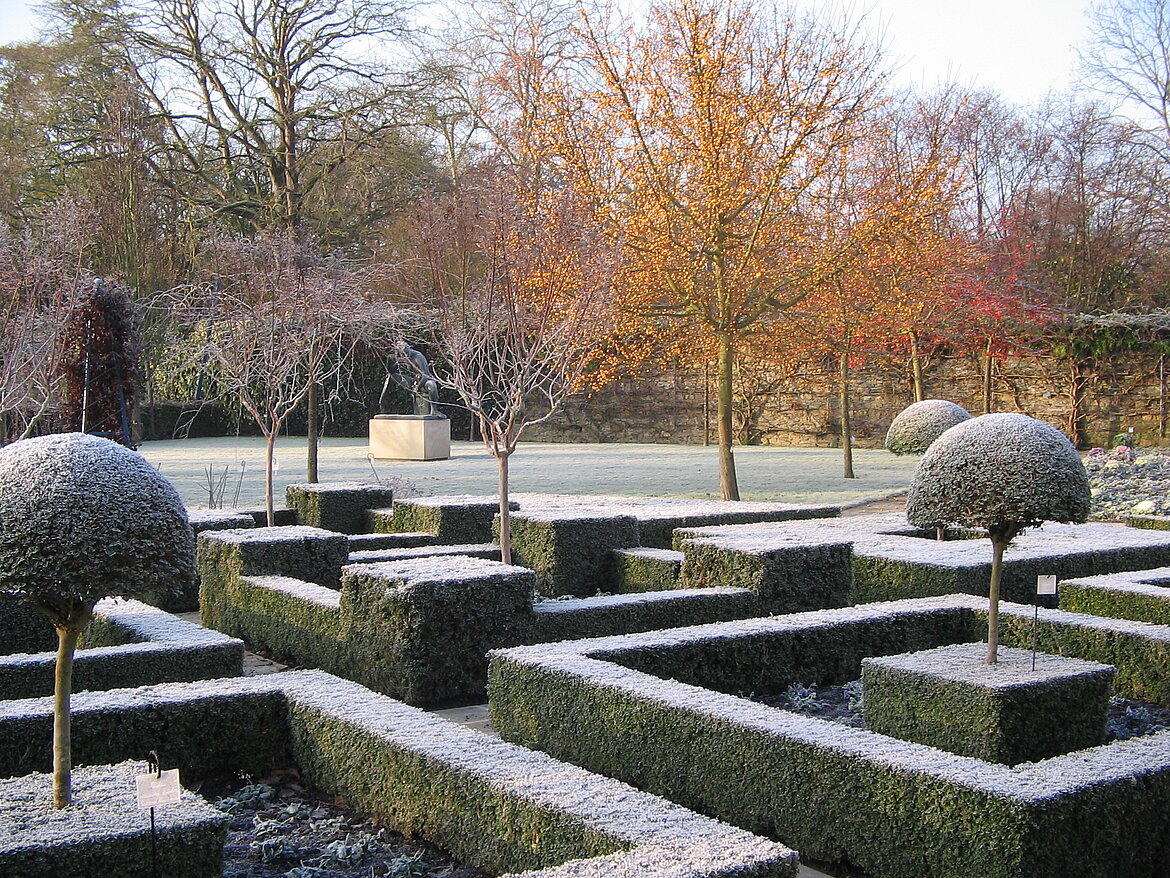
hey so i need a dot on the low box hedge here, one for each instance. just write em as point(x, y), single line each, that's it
point(652, 709)
point(128, 643)
point(337, 506)
point(453, 518)
point(104, 834)
point(417, 628)
point(493, 805)
point(788, 575)
point(892, 560)
point(571, 551)
point(307, 553)
point(1141, 595)
point(640, 569)
point(1022, 708)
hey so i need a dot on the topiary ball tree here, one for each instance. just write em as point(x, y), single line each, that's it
point(918, 425)
point(1004, 473)
point(83, 518)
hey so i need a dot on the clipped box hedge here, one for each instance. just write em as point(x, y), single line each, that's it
point(659, 517)
point(337, 506)
point(1008, 712)
point(1141, 595)
point(307, 553)
point(419, 627)
point(493, 805)
point(789, 575)
point(642, 569)
point(892, 560)
point(128, 643)
point(571, 551)
point(104, 832)
point(454, 518)
point(655, 710)
point(23, 629)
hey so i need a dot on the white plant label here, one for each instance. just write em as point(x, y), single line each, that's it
point(158, 789)
point(1046, 584)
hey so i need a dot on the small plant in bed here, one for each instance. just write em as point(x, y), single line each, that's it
point(281, 828)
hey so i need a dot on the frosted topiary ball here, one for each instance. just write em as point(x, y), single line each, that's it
point(917, 425)
point(996, 470)
point(82, 518)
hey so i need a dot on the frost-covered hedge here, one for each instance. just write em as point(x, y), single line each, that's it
point(128, 643)
point(571, 551)
point(1142, 595)
point(641, 569)
point(891, 560)
point(337, 506)
point(1023, 709)
point(417, 627)
point(82, 518)
point(789, 574)
point(918, 425)
point(634, 708)
point(106, 833)
point(493, 805)
point(452, 519)
point(999, 469)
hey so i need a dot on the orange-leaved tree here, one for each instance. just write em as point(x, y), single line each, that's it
point(699, 141)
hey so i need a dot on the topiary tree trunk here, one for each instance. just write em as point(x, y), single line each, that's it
point(69, 619)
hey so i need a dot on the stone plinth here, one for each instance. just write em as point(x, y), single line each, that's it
point(952, 699)
point(410, 437)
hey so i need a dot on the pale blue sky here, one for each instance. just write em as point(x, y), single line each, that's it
point(1020, 48)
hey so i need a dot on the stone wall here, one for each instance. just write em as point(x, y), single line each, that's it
point(798, 406)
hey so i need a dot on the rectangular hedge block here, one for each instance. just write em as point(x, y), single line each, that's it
point(571, 551)
point(640, 570)
point(434, 619)
point(1141, 595)
point(104, 834)
point(307, 553)
point(893, 561)
point(486, 551)
point(790, 575)
point(23, 629)
point(128, 643)
point(651, 709)
point(659, 517)
point(572, 619)
point(494, 805)
point(337, 506)
point(370, 542)
point(454, 518)
point(1007, 712)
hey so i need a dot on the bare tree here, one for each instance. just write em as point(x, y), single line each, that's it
point(520, 284)
point(41, 276)
point(271, 320)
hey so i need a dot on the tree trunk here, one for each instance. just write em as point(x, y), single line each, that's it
point(269, 454)
point(505, 511)
point(918, 385)
point(728, 484)
point(843, 399)
point(313, 433)
point(997, 547)
point(67, 636)
point(988, 378)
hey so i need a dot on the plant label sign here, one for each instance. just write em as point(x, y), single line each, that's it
point(158, 789)
point(1046, 584)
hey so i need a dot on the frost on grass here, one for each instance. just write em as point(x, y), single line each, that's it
point(82, 518)
point(918, 425)
point(999, 469)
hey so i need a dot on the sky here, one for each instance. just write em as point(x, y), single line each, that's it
point(1019, 48)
